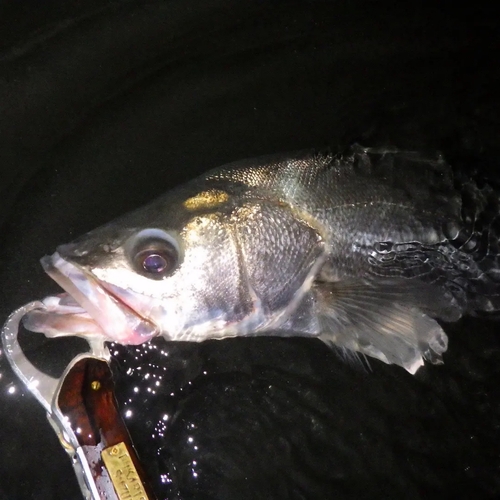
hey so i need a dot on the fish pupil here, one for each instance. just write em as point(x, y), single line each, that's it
point(154, 263)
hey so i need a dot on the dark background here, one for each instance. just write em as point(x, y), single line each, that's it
point(106, 104)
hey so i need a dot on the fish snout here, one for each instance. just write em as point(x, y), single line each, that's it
point(72, 250)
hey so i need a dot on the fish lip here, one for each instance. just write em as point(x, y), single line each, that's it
point(119, 322)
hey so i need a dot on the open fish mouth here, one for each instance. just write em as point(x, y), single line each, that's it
point(87, 309)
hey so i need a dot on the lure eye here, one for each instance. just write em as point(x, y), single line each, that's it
point(155, 256)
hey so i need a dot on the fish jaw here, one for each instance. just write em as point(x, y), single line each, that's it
point(95, 311)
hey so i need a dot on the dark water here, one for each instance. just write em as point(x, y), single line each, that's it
point(103, 108)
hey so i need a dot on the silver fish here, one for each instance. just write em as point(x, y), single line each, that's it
point(364, 250)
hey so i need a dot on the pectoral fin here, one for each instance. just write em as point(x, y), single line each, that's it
point(383, 320)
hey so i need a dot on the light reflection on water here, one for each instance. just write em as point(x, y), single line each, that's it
point(193, 415)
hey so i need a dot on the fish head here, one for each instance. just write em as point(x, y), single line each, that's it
point(191, 266)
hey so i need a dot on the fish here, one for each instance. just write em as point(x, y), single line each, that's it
point(370, 250)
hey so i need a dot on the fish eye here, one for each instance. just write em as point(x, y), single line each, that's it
point(154, 254)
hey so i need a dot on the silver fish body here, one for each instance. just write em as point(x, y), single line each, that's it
point(364, 250)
